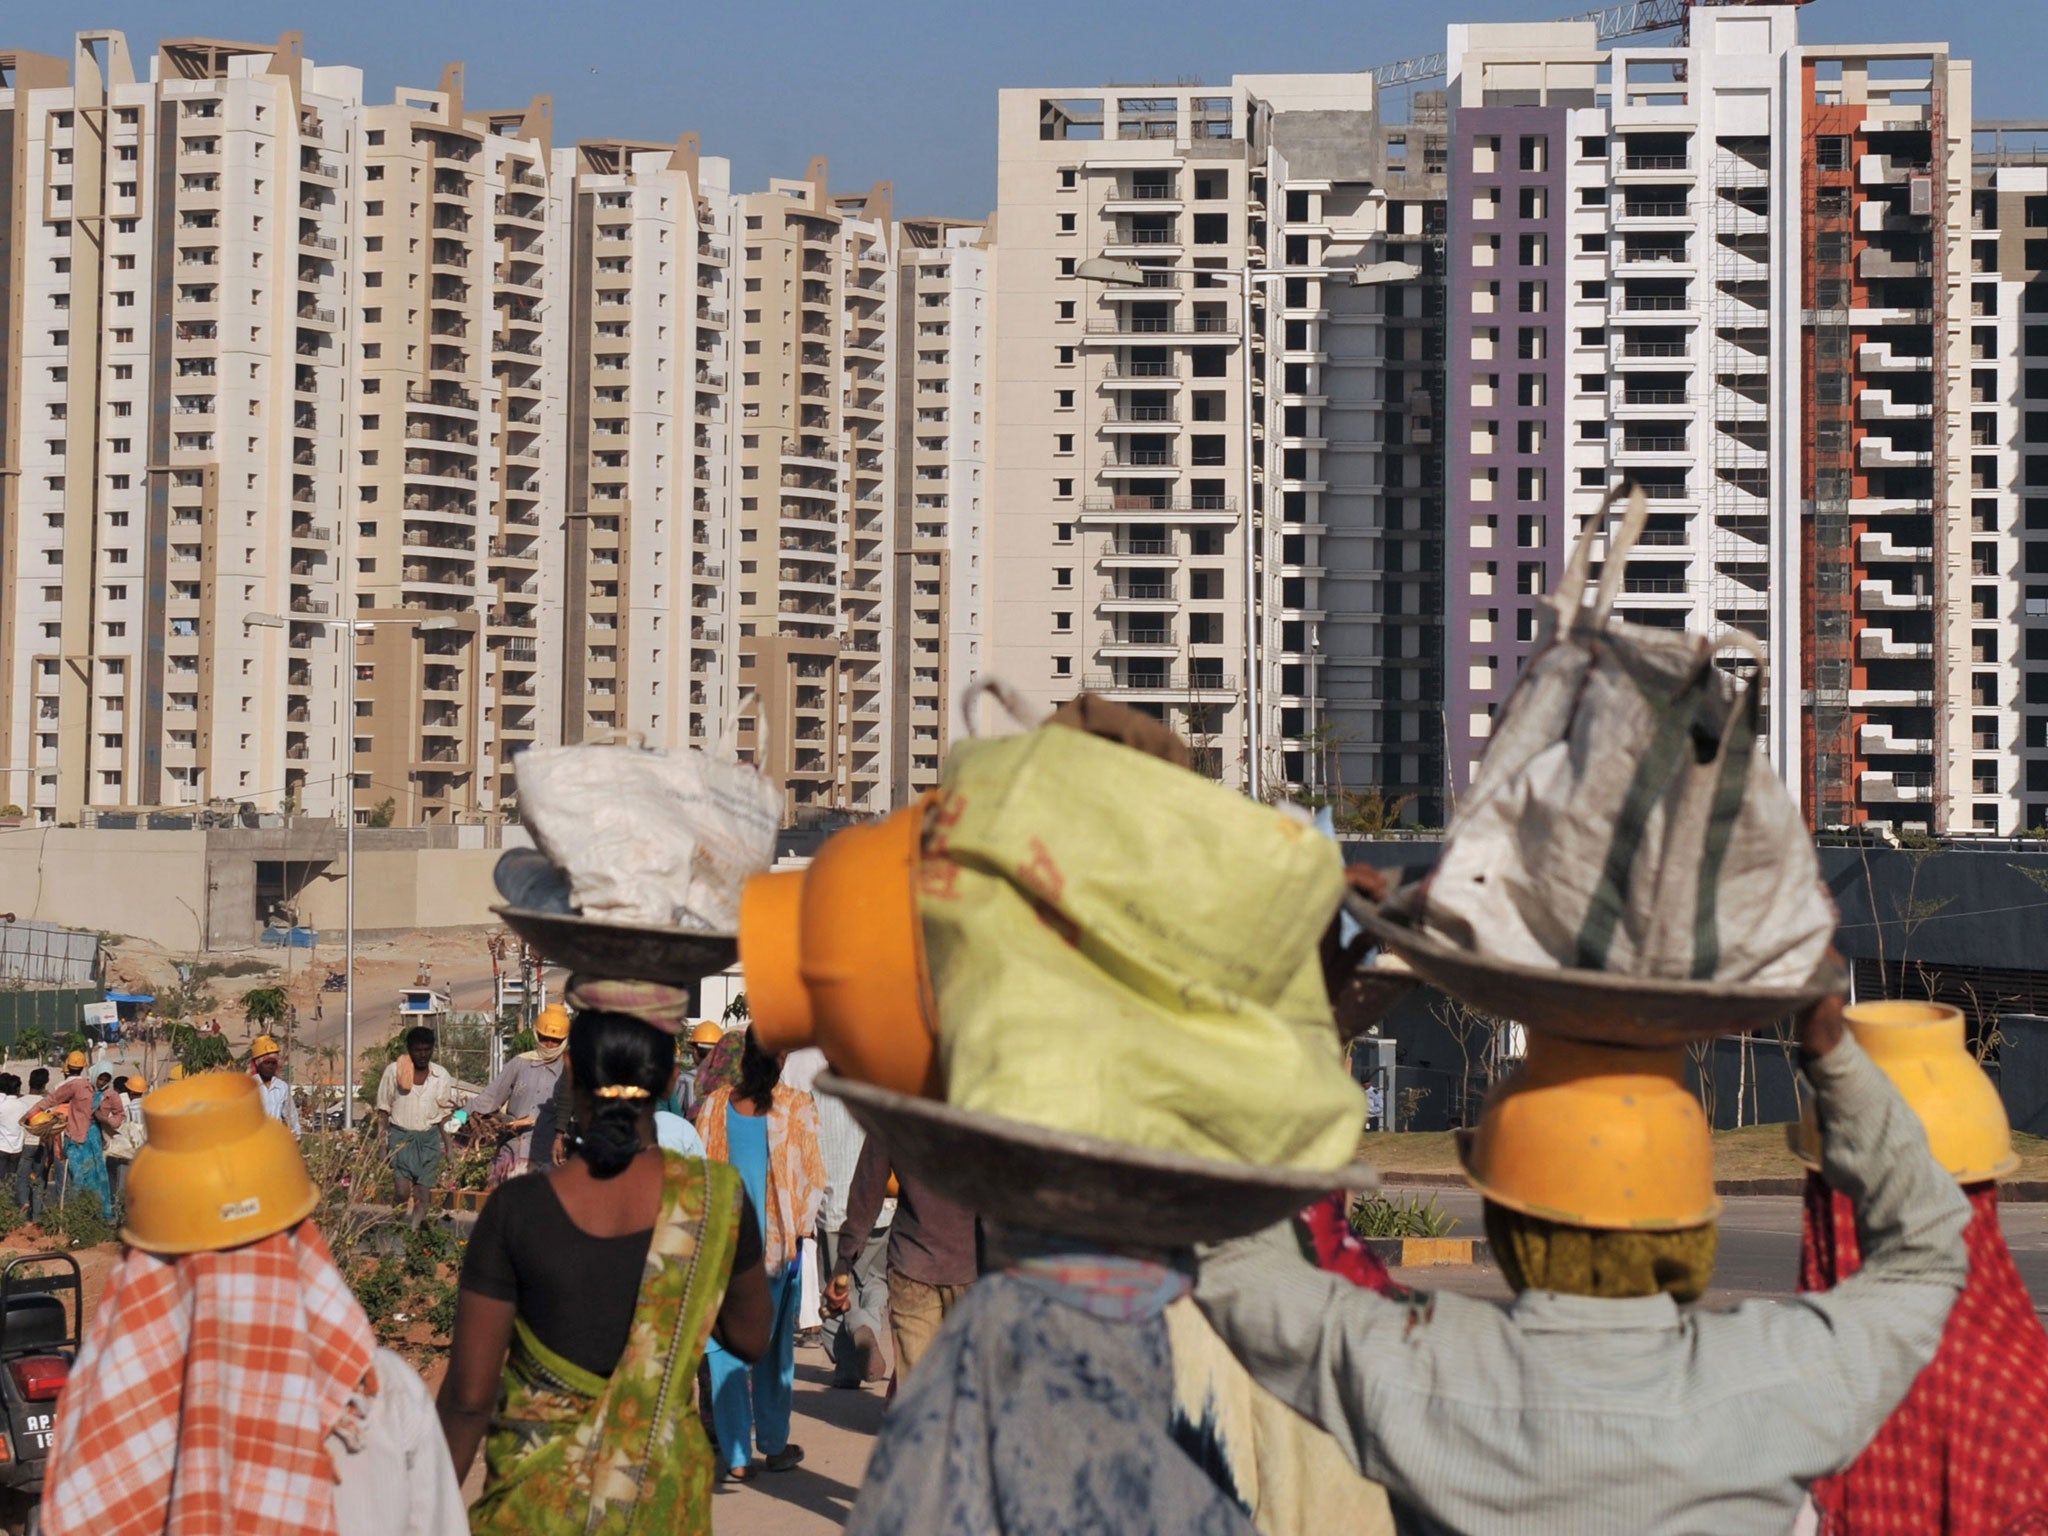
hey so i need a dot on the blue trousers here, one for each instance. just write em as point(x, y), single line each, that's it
point(750, 1403)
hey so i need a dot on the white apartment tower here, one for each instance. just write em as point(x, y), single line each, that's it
point(1728, 271)
point(1186, 405)
point(946, 313)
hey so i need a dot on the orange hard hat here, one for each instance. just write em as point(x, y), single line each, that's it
point(1598, 1136)
point(553, 1023)
point(834, 956)
point(707, 1033)
point(216, 1171)
point(1922, 1049)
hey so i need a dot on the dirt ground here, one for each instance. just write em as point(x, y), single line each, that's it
point(455, 960)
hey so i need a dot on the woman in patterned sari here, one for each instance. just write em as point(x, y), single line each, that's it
point(588, 1296)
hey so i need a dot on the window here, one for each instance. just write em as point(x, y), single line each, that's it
point(1066, 309)
point(1067, 223)
point(1063, 442)
point(1535, 152)
point(1063, 399)
point(1063, 666)
point(1069, 179)
point(1063, 623)
point(1062, 577)
point(1831, 153)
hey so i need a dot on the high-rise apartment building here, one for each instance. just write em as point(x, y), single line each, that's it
point(945, 331)
point(367, 443)
point(2008, 363)
point(816, 489)
point(176, 422)
point(648, 648)
point(449, 464)
point(1188, 394)
point(1729, 271)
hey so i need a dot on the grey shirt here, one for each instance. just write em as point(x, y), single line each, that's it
point(525, 1084)
point(1568, 1414)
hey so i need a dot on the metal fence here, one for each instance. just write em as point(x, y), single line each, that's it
point(45, 955)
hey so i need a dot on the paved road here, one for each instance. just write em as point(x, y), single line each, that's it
point(1759, 1254)
point(836, 1428)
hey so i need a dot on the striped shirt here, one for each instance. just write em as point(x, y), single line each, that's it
point(840, 1138)
point(1567, 1414)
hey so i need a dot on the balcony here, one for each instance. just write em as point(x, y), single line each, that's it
point(1164, 684)
point(1221, 326)
point(1883, 597)
point(1878, 786)
point(1127, 509)
point(1880, 357)
point(1878, 645)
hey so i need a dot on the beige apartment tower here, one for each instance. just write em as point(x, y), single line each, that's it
point(815, 551)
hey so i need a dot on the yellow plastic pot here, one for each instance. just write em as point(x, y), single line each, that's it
point(1596, 1136)
point(834, 956)
point(216, 1172)
point(1922, 1049)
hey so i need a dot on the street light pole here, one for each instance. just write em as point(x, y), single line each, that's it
point(348, 629)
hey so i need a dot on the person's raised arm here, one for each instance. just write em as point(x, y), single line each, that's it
point(1865, 1340)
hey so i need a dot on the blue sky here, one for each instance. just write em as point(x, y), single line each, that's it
point(903, 90)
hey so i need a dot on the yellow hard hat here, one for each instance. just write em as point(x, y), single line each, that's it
point(707, 1033)
point(1596, 1136)
point(216, 1172)
point(77, 1059)
point(135, 1084)
point(264, 1046)
point(1921, 1048)
point(553, 1023)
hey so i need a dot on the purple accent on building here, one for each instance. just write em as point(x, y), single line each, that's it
point(1510, 126)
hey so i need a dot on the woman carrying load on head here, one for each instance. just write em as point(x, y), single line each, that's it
point(588, 1295)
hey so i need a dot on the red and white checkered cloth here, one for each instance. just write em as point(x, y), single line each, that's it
point(202, 1403)
point(1966, 1454)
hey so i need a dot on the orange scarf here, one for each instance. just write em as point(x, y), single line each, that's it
point(205, 1396)
point(796, 1166)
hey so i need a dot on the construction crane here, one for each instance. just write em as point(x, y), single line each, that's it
point(1610, 24)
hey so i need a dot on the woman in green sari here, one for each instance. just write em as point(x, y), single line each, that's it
point(588, 1295)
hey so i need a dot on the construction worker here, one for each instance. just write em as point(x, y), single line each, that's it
point(230, 1380)
point(1966, 1454)
point(1593, 1405)
point(415, 1096)
point(518, 1091)
point(83, 1145)
point(703, 1040)
point(264, 1056)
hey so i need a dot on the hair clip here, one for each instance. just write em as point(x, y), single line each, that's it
point(623, 1091)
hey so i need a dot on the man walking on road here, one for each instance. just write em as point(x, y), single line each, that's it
point(414, 1099)
point(275, 1092)
point(933, 1252)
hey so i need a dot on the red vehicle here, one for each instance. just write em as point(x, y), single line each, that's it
point(39, 1336)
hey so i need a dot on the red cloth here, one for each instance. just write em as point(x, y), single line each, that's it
point(1966, 1454)
point(1340, 1251)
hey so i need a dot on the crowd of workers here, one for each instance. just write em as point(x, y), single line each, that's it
point(662, 1203)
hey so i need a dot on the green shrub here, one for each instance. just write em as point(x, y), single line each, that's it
point(1410, 1217)
point(12, 1216)
point(79, 1223)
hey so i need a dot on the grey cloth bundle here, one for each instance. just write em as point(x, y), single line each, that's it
point(1624, 818)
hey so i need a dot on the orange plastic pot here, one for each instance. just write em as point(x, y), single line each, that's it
point(1922, 1048)
point(834, 957)
point(1596, 1136)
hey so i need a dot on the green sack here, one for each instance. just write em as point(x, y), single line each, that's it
point(1123, 949)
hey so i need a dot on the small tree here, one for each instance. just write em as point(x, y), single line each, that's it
point(198, 1051)
point(383, 814)
point(1467, 1027)
point(266, 1006)
point(32, 1042)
